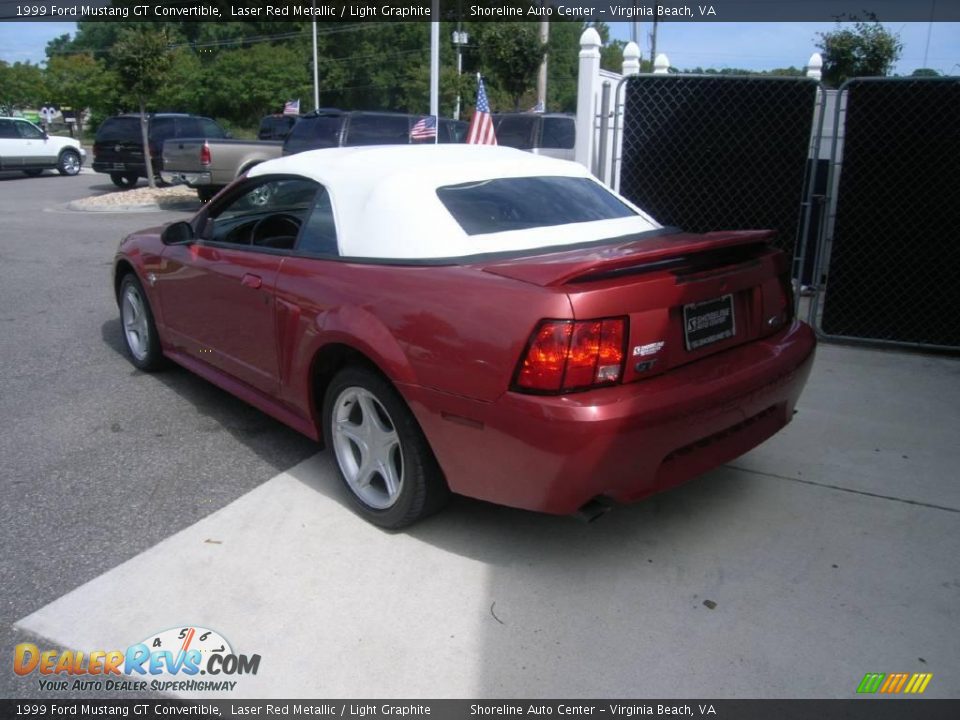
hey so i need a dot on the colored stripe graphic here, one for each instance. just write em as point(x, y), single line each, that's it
point(894, 683)
point(918, 683)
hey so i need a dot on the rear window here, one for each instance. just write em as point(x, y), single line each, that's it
point(378, 130)
point(276, 127)
point(119, 130)
point(314, 132)
point(191, 127)
point(162, 129)
point(520, 203)
point(517, 131)
point(558, 133)
point(452, 131)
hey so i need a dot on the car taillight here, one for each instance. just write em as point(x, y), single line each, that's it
point(567, 355)
point(205, 158)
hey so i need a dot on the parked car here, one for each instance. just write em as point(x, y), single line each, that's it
point(340, 128)
point(550, 134)
point(118, 145)
point(472, 319)
point(209, 164)
point(276, 127)
point(25, 147)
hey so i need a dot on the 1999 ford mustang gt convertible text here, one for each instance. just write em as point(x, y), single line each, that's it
point(472, 319)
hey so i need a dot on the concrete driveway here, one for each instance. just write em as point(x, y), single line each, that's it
point(828, 552)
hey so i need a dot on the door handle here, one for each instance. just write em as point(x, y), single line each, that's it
point(251, 281)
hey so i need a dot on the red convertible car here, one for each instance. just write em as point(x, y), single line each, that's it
point(474, 320)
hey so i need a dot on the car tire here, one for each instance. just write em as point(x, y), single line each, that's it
point(33, 172)
point(69, 163)
point(398, 481)
point(139, 330)
point(206, 193)
point(124, 180)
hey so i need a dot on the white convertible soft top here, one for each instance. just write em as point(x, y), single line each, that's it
point(385, 201)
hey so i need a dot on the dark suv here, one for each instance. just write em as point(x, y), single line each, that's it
point(340, 128)
point(276, 127)
point(118, 146)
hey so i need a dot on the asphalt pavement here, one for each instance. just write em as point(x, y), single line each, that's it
point(135, 503)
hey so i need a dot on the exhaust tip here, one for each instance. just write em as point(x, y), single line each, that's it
point(594, 509)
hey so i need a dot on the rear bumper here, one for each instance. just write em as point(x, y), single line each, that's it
point(553, 454)
point(122, 168)
point(191, 179)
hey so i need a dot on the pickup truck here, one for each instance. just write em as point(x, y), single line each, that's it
point(209, 164)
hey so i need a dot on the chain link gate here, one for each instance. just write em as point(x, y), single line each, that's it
point(891, 246)
point(721, 152)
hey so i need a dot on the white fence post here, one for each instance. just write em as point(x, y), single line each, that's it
point(588, 78)
point(631, 59)
point(661, 66)
point(815, 67)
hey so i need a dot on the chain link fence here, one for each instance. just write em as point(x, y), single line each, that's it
point(891, 246)
point(709, 153)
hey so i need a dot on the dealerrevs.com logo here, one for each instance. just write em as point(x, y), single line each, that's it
point(170, 661)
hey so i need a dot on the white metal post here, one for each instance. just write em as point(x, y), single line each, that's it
point(588, 78)
point(435, 63)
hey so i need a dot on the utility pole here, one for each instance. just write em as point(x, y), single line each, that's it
point(316, 82)
point(542, 76)
point(653, 43)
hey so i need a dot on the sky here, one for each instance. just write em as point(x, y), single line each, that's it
point(751, 46)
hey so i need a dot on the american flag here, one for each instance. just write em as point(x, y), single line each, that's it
point(481, 124)
point(291, 107)
point(424, 129)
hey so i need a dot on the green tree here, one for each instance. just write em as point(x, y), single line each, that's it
point(255, 81)
point(21, 85)
point(562, 66)
point(142, 60)
point(78, 81)
point(925, 72)
point(59, 46)
point(510, 55)
point(866, 50)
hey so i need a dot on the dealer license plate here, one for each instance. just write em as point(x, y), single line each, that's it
point(708, 322)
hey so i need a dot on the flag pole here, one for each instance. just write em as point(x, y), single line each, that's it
point(316, 82)
point(435, 67)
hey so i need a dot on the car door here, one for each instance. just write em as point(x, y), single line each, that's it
point(217, 293)
point(33, 145)
point(11, 152)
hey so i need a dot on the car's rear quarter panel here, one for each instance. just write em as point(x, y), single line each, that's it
point(453, 329)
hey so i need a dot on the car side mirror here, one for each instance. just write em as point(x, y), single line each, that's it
point(178, 233)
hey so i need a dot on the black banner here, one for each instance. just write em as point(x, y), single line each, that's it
point(886, 709)
point(477, 10)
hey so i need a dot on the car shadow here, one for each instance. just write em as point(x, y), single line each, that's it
point(465, 525)
point(20, 175)
point(461, 526)
point(272, 441)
